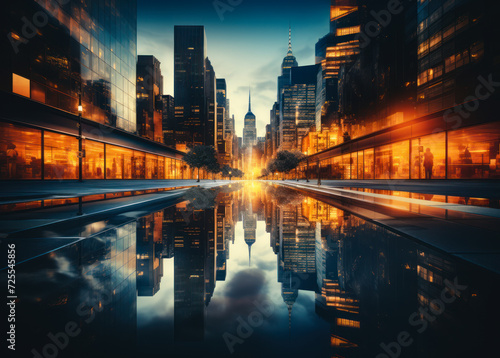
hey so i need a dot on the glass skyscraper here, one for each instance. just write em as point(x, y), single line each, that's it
point(63, 50)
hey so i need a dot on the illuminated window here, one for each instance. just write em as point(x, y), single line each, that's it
point(20, 85)
point(20, 152)
point(344, 322)
point(61, 156)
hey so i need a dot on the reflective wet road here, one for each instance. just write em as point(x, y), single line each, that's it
point(249, 270)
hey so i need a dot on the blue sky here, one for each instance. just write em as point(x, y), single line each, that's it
point(245, 45)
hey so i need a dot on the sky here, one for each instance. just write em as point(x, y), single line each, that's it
point(246, 43)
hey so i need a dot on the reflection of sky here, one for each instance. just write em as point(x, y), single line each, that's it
point(246, 48)
point(235, 298)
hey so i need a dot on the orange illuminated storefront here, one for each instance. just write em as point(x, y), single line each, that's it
point(29, 153)
point(468, 153)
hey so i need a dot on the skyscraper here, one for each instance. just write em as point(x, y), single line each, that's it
point(298, 106)
point(189, 85)
point(249, 130)
point(288, 62)
point(149, 98)
point(211, 105)
point(168, 121)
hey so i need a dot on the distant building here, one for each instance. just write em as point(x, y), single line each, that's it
point(168, 121)
point(288, 62)
point(298, 106)
point(189, 86)
point(149, 98)
point(249, 130)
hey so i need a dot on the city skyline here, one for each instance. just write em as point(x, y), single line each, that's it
point(235, 45)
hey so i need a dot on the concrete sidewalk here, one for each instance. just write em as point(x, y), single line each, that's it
point(16, 191)
point(463, 188)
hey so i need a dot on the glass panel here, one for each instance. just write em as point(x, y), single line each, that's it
point(428, 157)
point(474, 152)
point(401, 160)
point(346, 166)
point(360, 165)
point(118, 162)
point(20, 152)
point(161, 167)
point(20, 85)
point(369, 164)
point(383, 162)
point(139, 165)
point(93, 163)
point(168, 168)
point(61, 156)
point(151, 166)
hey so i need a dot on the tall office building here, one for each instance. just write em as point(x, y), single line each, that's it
point(168, 121)
point(298, 107)
point(288, 62)
point(189, 86)
point(211, 105)
point(88, 50)
point(249, 130)
point(149, 98)
point(76, 52)
point(338, 48)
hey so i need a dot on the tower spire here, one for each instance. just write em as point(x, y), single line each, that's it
point(289, 39)
point(249, 100)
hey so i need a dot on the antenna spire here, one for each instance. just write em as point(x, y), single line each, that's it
point(289, 39)
point(249, 100)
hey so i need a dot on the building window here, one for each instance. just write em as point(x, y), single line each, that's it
point(20, 152)
point(118, 162)
point(421, 160)
point(473, 153)
point(20, 85)
point(61, 158)
point(93, 163)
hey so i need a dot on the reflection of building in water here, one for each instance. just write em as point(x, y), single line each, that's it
point(94, 277)
point(289, 294)
point(191, 254)
point(249, 228)
point(297, 256)
point(149, 254)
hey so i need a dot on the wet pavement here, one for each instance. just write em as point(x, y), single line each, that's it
point(255, 270)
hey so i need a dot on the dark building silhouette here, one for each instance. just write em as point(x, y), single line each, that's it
point(149, 98)
point(168, 120)
point(190, 94)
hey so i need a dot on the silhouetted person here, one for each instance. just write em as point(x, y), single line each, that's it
point(12, 160)
point(428, 163)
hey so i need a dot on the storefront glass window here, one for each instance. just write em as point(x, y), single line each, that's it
point(20, 152)
point(139, 165)
point(401, 160)
point(151, 166)
point(428, 155)
point(474, 153)
point(368, 164)
point(93, 163)
point(118, 162)
point(61, 156)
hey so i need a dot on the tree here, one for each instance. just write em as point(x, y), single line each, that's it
point(285, 162)
point(237, 173)
point(214, 168)
point(202, 156)
point(226, 170)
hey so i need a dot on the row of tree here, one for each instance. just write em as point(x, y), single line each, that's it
point(205, 157)
point(284, 162)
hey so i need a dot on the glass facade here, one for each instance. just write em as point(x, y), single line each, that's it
point(80, 47)
point(472, 152)
point(21, 158)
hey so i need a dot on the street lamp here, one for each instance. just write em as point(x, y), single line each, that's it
point(230, 172)
point(80, 139)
